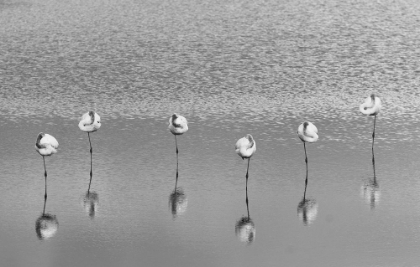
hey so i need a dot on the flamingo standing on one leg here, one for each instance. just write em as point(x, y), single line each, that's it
point(371, 107)
point(245, 148)
point(46, 145)
point(90, 123)
point(307, 132)
point(177, 125)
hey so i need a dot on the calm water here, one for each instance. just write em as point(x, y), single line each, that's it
point(231, 67)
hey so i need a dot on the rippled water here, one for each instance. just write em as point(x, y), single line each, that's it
point(231, 67)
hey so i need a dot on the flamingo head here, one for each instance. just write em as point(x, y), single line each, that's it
point(251, 140)
point(92, 117)
point(174, 117)
point(372, 98)
point(40, 135)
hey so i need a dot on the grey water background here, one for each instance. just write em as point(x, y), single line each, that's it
point(230, 67)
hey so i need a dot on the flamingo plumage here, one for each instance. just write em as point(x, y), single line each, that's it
point(307, 132)
point(245, 147)
point(46, 145)
point(90, 123)
point(371, 107)
point(178, 125)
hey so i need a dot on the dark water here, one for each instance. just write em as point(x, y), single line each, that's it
point(231, 68)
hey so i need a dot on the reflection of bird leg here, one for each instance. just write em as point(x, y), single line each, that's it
point(45, 175)
point(374, 169)
point(91, 162)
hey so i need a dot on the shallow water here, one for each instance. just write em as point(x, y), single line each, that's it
point(231, 68)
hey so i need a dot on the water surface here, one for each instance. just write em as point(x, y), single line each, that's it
point(232, 68)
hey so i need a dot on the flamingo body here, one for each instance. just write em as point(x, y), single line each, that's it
point(90, 122)
point(371, 106)
point(307, 132)
point(246, 146)
point(46, 144)
point(177, 124)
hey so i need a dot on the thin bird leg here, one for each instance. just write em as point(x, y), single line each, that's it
point(306, 180)
point(247, 169)
point(246, 199)
point(90, 183)
point(176, 176)
point(91, 162)
point(176, 150)
point(373, 165)
point(176, 146)
point(45, 204)
point(373, 136)
point(45, 175)
point(306, 185)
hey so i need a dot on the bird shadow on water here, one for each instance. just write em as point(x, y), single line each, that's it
point(307, 209)
point(245, 227)
point(370, 189)
point(46, 225)
point(178, 201)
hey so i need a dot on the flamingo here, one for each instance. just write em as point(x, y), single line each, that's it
point(245, 148)
point(371, 107)
point(90, 123)
point(307, 132)
point(178, 125)
point(46, 145)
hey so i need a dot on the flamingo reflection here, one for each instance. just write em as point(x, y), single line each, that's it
point(370, 190)
point(245, 227)
point(46, 225)
point(178, 201)
point(90, 203)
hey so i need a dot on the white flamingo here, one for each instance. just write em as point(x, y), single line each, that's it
point(371, 107)
point(245, 148)
point(178, 125)
point(46, 145)
point(307, 132)
point(90, 123)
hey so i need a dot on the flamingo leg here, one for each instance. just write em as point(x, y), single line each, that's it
point(176, 176)
point(247, 169)
point(45, 204)
point(373, 137)
point(246, 199)
point(45, 175)
point(176, 150)
point(91, 162)
point(306, 180)
point(246, 188)
point(176, 146)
